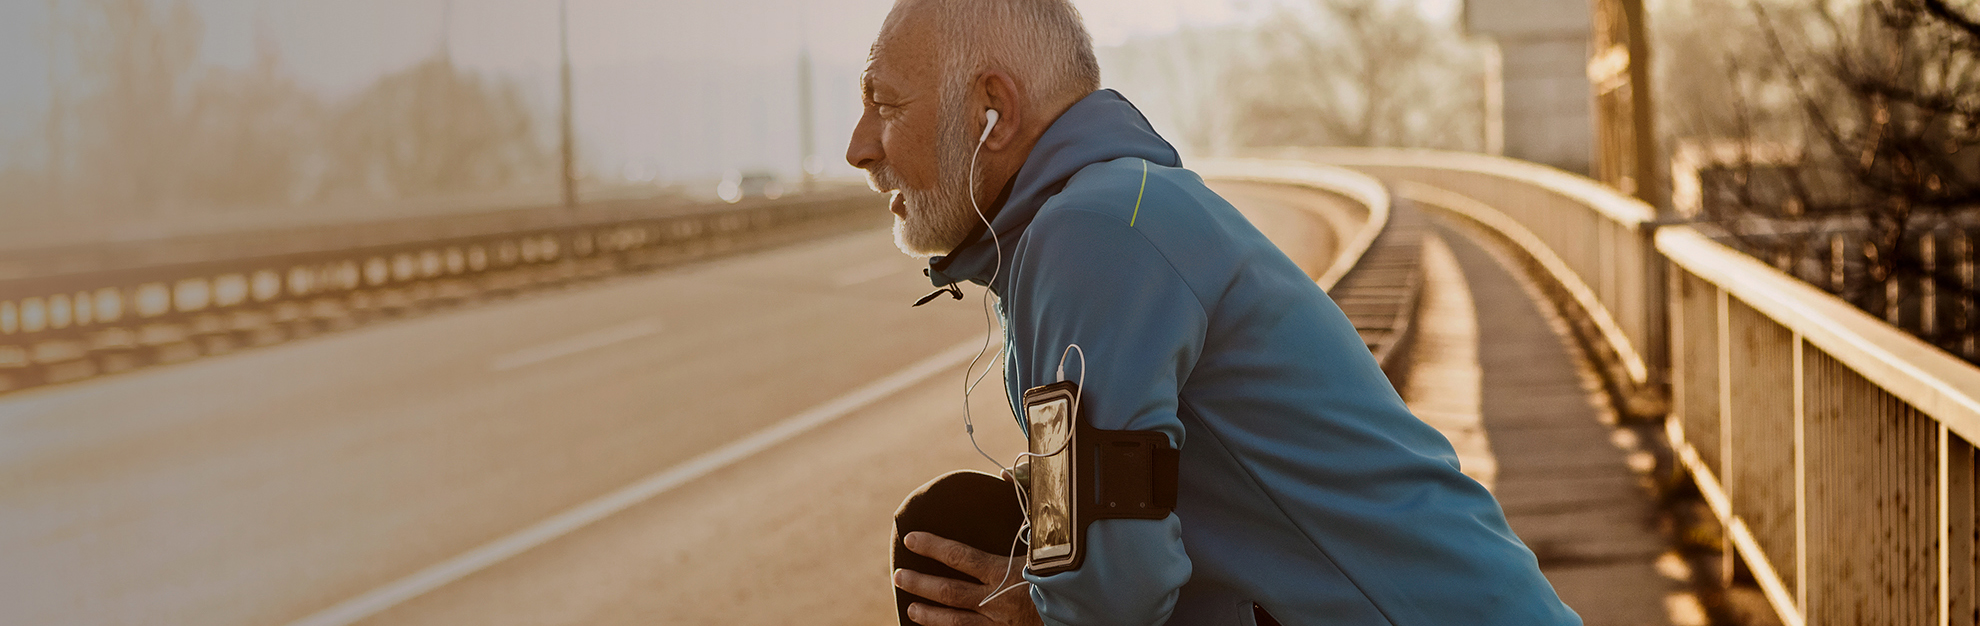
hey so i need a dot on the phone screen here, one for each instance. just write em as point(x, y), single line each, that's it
point(1051, 478)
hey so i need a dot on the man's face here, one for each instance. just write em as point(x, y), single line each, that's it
point(912, 142)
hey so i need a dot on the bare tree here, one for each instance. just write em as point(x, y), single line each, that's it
point(255, 133)
point(145, 131)
point(433, 128)
point(1907, 133)
point(140, 55)
point(1176, 78)
point(1879, 103)
point(1359, 73)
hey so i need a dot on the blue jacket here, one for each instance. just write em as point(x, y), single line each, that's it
point(1306, 485)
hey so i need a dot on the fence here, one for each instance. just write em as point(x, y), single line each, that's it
point(1835, 449)
point(62, 327)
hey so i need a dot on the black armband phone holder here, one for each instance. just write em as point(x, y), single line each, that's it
point(1097, 474)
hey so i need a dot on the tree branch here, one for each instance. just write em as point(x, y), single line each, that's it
point(1939, 9)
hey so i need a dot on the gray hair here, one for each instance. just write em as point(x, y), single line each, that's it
point(1042, 44)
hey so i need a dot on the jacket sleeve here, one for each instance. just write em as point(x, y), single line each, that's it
point(1088, 278)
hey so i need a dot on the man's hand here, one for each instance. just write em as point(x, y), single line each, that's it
point(1013, 607)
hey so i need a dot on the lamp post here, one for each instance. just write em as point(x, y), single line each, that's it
point(58, 102)
point(807, 153)
point(1619, 71)
point(446, 31)
point(564, 123)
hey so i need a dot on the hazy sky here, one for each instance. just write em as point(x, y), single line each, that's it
point(639, 62)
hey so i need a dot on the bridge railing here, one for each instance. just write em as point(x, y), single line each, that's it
point(62, 326)
point(1836, 451)
point(1836, 448)
point(1595, 243)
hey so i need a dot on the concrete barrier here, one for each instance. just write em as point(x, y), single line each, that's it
point(65, 325)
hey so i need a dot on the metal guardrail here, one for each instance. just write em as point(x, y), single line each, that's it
point(55, 328)
point(1835, 450)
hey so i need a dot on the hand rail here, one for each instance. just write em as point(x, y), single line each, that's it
point(1632, 360)
point(52, 327)
point(1918, 373)
point(1600, 238)
point(1623, 209)
point(1836, 451)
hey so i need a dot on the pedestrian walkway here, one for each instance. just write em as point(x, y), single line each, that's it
point(1442, 388)
point(1528, 417)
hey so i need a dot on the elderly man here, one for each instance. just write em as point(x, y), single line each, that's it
point(1307, 493)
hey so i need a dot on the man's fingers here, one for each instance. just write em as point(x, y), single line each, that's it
point(984, 566)
point(940, 588)
point(939, 616)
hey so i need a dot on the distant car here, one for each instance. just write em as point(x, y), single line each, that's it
point(736, 186)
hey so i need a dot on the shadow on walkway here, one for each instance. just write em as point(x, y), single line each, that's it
point(1566, 487)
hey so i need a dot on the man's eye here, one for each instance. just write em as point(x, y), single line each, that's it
point(884, 109)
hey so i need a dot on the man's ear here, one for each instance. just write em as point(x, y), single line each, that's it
point(1001, 93)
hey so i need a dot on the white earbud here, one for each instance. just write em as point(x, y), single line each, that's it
point(990, 121)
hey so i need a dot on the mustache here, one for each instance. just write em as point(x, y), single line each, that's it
point(882, 179)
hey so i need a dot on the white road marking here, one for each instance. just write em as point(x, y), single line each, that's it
point(863, 273)
point(573, 345)
point(382, 598)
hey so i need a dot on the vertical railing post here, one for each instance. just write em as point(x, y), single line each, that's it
point(1944, 524)
point(1656, 323)
point(1679, 349)
point(1725, 451)
point(1960, 519)
point(1800, 480)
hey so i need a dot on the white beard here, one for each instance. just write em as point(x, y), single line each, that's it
point(937, 219)
point(936, 222)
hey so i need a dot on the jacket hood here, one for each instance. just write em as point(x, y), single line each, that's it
point(1101, 127)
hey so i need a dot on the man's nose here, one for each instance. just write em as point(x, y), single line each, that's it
point(864, 149)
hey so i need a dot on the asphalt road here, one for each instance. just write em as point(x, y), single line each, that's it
point(622, 451)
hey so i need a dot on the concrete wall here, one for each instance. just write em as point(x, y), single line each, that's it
point(1543, 45)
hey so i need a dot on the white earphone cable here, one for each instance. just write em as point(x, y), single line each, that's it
point(970, 383)
point(1024, 502)
point(969, 425)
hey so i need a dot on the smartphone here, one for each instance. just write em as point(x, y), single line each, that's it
point(1052, 419)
